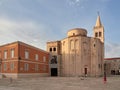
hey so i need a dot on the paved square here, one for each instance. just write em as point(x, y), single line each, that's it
point(60, 83)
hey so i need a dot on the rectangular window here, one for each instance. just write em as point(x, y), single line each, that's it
point(44, 59)
point(36, 57)
point(26, 66)
point(26, 55)
point(5, 54)
point(12, 53)
point(36, 67)
point(5, 66)
point(12, 66)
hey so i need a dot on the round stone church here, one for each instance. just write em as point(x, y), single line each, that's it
point(77, 54)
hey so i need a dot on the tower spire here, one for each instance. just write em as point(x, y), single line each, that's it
point(98, 21)
point(98, 29)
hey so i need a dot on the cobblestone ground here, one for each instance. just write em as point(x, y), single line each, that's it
point(60, 83)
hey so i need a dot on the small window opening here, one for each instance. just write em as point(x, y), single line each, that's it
point(96, 34)
point(54, 49)
point(50, 49)
point(99, 34)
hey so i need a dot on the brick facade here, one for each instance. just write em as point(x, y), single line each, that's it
point(20, 59)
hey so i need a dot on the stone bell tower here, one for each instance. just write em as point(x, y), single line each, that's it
point(99, 29)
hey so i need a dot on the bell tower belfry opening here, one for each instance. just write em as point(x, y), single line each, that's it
point(99, 29)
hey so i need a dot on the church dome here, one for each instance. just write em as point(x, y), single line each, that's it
point(77, 32)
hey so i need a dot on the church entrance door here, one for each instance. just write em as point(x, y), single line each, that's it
point(54, 72)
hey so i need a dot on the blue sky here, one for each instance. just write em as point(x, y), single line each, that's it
point(37, 21)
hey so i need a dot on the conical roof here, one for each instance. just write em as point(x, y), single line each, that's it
point(98, 22)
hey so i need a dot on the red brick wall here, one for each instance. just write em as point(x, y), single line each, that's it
point(32, 68)
point(19, 59)
point(31, 61)
point(8, 47)
point(32, 52)
point(8, 70)
point(9, 60)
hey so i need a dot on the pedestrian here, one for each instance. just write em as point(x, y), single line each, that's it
point(105, 79)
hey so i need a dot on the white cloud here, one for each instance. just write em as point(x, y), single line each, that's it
point(112, 50)
point(77, 3)
point(27, 31)
point(80, 2)
point(74, 2)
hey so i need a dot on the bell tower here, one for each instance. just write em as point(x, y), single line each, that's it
point(99, 29)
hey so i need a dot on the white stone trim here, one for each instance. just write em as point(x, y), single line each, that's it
point(28, 61)
point(8, 60)
point(33, 62)
point(21, 75)
point(8, 75)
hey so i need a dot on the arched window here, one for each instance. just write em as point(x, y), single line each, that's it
point(96, 34)
point(50, 49)
point(76, 44)
point(71, 44)
point(54, 49)
point(100, 34)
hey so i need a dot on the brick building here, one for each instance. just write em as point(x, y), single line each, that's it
point(18, 59)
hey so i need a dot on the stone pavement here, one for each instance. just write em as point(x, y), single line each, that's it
point(60, 83)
